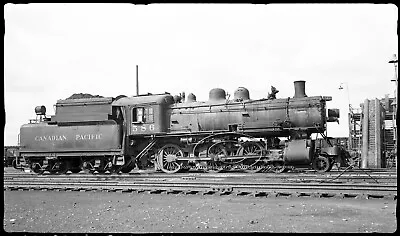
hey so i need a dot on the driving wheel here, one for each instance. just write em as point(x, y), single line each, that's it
point(168, 158)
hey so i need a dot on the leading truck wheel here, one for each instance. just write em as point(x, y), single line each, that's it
point(322, 164)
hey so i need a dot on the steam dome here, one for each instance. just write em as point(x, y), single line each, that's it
point(217, 94)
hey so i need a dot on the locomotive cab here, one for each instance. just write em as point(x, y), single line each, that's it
point(146, 114)
point(145, 117)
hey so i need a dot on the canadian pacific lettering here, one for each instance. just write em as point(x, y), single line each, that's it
point(64, 138)
point(51, 138)
point(88, 136)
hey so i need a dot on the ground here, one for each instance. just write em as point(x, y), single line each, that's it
point(87, 212)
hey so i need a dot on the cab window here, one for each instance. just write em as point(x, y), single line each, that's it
point(143, 115)
point(117, 114)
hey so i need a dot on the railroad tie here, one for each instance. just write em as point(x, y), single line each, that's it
point(157, 191)
point(283, 194)
point(209, 192)
point(304, 194)
point(326, 195)
point(173, 191)
point(349, 195)
point(260, 194)
point(225, 193)
point(242, 193)
point(191, 192)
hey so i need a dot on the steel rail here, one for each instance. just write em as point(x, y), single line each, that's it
point(215, 178)
point(200, 174)
point(364, 187)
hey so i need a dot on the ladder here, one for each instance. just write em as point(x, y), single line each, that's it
point(143, 152)
point(146, 149)
point(371, 129)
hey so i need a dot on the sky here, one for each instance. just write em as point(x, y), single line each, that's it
point(52, 51)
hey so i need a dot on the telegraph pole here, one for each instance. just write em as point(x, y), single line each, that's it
point(350, 115)
point(137, 80)
point(394, 61)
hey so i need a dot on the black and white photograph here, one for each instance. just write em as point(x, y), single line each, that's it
point(200, 118)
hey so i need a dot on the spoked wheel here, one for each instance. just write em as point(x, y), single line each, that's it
point(36, 168)
point(104, 168)
point(97, 171)
point(278, 167)
point(218, 154)
point(253, 153)
point(168, 158)
point(61, 168)
point(322, 164)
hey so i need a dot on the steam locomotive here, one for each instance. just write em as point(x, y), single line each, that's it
point(175, 133)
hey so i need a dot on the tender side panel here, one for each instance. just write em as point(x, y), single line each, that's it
point(39, 138)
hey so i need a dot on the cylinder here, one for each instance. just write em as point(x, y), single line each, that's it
point(298, 152)
point(364, 151)
point(299, 89)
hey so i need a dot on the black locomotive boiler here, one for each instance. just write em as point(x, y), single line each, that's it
point(179, 133)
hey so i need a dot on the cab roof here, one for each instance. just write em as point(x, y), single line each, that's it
point(145, 99)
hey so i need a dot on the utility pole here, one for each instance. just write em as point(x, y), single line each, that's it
point(350, 115)
point(137, 80)
point(395, 79)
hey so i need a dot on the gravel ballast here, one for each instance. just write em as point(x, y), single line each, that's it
point(113, 212)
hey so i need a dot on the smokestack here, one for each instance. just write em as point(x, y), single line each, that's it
point(137, 80)
point(299, 89)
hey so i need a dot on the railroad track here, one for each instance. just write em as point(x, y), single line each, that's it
point(373, 177)
point(262, 185)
